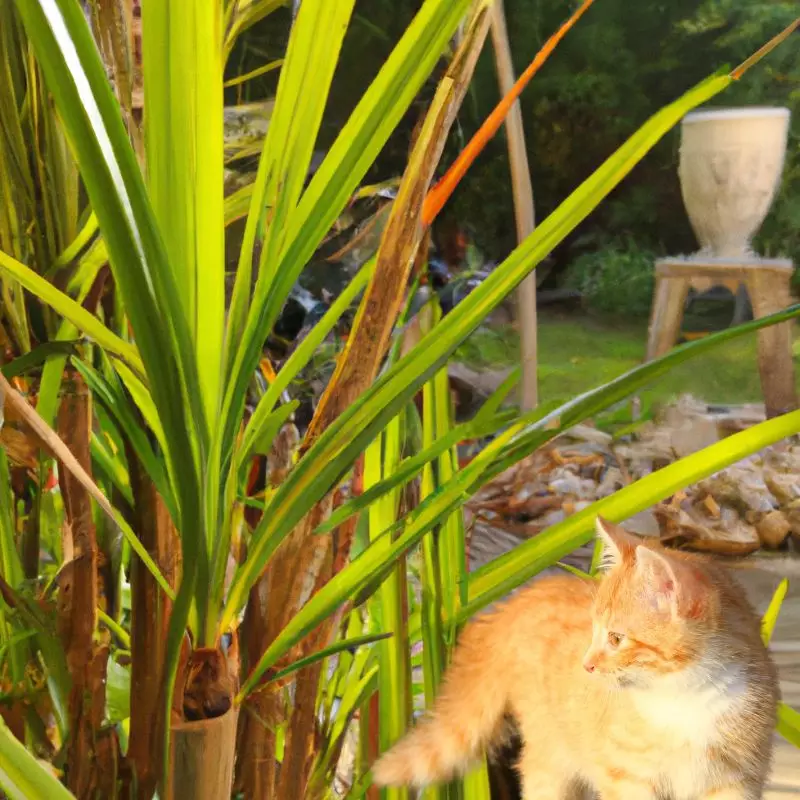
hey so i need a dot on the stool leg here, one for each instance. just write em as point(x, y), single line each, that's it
point(769, 292)
point(742, 307)
point(666, 316)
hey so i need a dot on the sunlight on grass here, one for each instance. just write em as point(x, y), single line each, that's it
point(576, 354)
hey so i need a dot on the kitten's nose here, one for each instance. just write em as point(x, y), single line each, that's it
point(588, 666)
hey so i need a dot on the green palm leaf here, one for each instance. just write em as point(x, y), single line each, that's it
point(332, 453)
point(77, 80)
point(22, 777)
point(333, 184)
point(514, 568)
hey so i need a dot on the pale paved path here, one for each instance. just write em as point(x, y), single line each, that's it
point(760, 578)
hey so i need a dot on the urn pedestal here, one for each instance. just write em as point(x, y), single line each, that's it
point(731, 162)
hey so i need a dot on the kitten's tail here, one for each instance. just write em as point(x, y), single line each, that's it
point(466, 717)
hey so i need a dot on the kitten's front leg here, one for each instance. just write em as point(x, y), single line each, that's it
point(542, 785)
point(617, 786)
point(540, 780)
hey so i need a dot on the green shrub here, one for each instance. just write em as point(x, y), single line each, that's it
point(616, 280)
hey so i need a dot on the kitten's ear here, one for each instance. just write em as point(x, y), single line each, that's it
point(660, 580)
point(617, 543)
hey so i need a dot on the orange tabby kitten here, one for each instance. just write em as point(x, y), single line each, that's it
point(653, 682)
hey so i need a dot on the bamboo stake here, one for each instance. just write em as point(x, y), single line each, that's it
point(524, 213)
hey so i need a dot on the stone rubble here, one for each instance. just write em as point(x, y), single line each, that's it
point(752, 504)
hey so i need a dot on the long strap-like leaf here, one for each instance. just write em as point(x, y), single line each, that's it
point(333, 184)
point(22, 777)
point(332, 453)
point(327, 460)
point(523, 562)
point(90, 114)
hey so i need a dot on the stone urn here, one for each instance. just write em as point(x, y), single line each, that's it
point(731, 162)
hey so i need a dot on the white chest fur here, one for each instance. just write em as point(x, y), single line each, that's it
point(685, 711)
point(686, 707)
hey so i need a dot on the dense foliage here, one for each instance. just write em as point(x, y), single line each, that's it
point(618, 280)
point(213, 600)
point(624, 61)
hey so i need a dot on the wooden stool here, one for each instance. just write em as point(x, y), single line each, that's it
point(767, 283)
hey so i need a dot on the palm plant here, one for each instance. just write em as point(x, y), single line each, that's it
point(174, 385)
point(46, 225)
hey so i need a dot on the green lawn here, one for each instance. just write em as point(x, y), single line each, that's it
point(578, 352)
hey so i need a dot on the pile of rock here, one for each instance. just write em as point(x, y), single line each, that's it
point(752, 504)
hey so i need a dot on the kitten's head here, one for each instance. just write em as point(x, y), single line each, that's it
point(654, 611)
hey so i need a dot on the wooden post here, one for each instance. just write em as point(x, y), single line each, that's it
point(769, 293)
point(523, 208)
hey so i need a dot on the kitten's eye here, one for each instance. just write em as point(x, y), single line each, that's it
point(615, 639)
